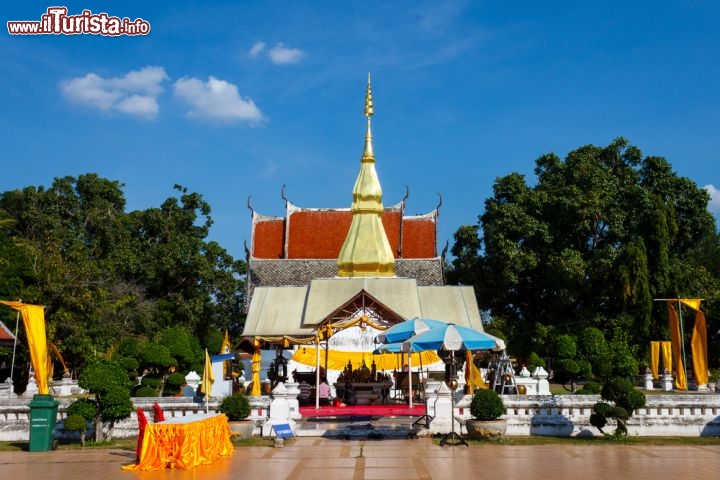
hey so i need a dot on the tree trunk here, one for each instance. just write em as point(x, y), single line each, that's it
point(98, 429)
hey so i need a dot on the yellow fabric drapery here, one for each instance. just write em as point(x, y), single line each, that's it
point(338, 360)
point(666, 348)
point(656, 348)
point(34, 321)
point(208, 378)
point(255, 367)
point(225, 348)
point(184, 445)
point(680, 379)
point(473, 377)
point(698, 343)
point(654, 358)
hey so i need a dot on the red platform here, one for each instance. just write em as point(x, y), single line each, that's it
point(390, 410)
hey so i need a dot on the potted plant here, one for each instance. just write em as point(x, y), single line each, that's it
point(237, 409)
point(486, 408)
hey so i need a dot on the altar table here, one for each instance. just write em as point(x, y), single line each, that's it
point(184, 442)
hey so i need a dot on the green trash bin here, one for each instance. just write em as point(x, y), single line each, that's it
point(43, 415)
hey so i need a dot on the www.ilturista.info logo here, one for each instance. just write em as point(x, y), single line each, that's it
point(57, 22)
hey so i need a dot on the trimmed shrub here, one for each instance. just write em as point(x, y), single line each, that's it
point(142, 391)
point(236, 407)
point(83, 407)
point(486, 405)
point(151, 382)
point(76, 423)
point(590, 388)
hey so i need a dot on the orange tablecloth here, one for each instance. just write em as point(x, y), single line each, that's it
point(184, 442)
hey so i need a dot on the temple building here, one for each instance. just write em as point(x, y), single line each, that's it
point(316, 272)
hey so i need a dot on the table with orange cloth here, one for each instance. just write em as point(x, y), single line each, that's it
point(184, 442)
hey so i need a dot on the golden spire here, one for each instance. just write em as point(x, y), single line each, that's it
point(366, 251)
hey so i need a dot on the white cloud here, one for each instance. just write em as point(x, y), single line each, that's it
point(714, 205)
point(135, 93)
point(216, 100)
point(256, 49)
point(280, 55)
point(140, 105)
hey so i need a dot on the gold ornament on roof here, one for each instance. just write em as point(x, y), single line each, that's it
point(366, 251)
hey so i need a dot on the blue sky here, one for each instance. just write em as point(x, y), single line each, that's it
point(232, 99)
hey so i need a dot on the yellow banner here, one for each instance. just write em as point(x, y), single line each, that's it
point(667, 356)
point(654, 358)
point(34, 320)
point(208, 378)
point(699, 349)
point(680, 379)
point(255, 367)
point(693, 303)
point(473, 377)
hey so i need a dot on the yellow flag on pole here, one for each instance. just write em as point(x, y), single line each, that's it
point(34, 320)
point(207, 379)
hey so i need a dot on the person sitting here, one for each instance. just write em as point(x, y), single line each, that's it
point(305, 390)
point(324, 392)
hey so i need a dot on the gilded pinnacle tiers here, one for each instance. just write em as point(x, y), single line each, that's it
point(366, 251)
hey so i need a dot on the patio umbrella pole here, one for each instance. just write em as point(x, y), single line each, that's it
point(452, 438)
point(317, 374)
point(425, 417)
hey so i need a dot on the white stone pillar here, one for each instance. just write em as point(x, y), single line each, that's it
point(543, 386)
point(667, 380)
point(442, 410)
point(649, 381)
point(279, 410)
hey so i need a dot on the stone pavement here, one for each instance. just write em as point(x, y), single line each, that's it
point(315, 458)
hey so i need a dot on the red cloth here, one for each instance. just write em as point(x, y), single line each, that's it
point(142, 422)
point(158, 414)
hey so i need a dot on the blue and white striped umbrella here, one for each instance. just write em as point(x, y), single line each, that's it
point(404, 330)
point(453, 337)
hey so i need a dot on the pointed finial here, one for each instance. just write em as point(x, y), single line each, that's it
point(368, 99)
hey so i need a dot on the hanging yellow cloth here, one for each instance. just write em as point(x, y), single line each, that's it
point(473, 377)
point(256, 360)
point(654, 358)
point(34, 320)
point(225, 348)
point(693, 303)
point(208, 378)
point(338, 360)
point(680, 379)
point(698, 344)
point(666, 348)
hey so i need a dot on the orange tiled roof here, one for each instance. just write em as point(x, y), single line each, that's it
point(6, 336)
point(267, 237)
point(308, 233)
point(419, 237)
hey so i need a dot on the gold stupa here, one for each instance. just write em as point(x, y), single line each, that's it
point(366, 251)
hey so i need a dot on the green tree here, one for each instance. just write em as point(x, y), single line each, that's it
point(621, 399)
point(105, 274)
point(108, 382)
point(569, 366)
point(595, 238)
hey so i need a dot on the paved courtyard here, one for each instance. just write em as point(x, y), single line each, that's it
point(316, 458)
